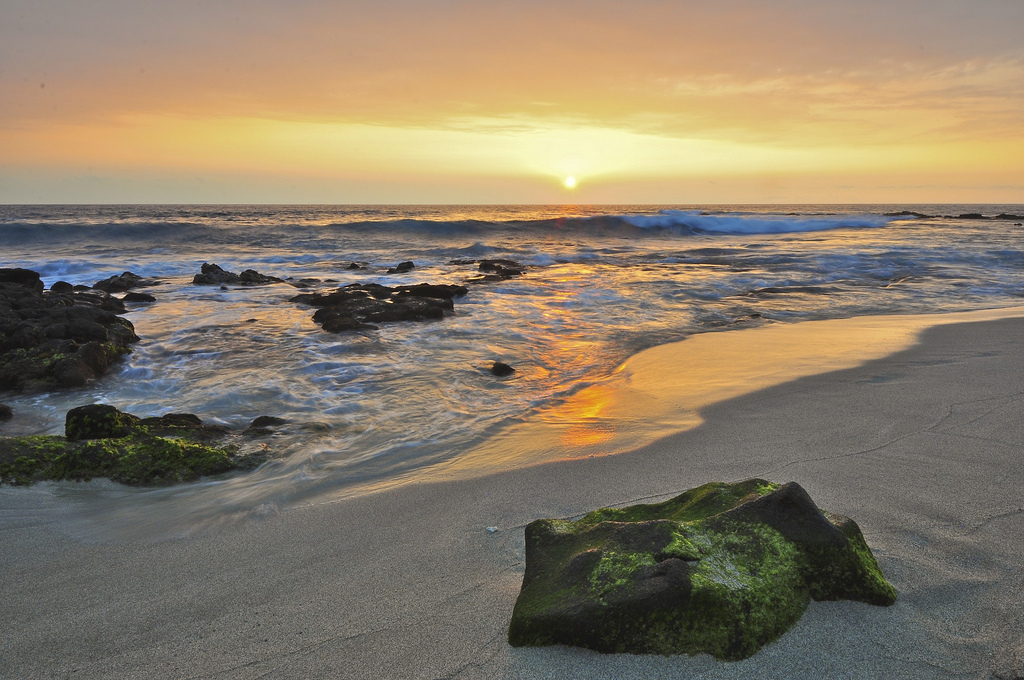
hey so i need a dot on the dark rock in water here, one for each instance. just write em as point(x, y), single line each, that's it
point(971, 216)
point(358, 306)
point(356, 265)
point(62, 287)
point(497, 270)
point(6, 412)
point(56, 339)
point(906, 213)
point(1004, 216)
point(212, 275)
point(428, 290)
point(102, 441)
point(267, 421)
point(502, 369)
point(512, 267)
point(22, 277)
point(304, 283)
point(98, 421)
point(722, 569)
point(402, 268)
point(124, 282)
point(138, 297)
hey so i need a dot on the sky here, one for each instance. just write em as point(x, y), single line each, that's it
point(501, 101)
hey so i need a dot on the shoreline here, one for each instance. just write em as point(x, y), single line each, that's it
point(920, 447)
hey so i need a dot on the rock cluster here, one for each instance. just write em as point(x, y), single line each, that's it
point(122, 283)
point(722, 569)
point(213, 275)
point(101, 441)
point(61, 338)
point(358, 306)
point(497, 270)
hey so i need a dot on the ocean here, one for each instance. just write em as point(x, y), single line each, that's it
point(601, 283)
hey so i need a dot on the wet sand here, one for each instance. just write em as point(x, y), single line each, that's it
point(923, 448)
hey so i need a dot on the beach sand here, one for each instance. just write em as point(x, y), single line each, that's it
point(923, 448)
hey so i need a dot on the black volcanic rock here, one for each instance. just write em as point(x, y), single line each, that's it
point(358, 306)
point(124, 282)
point(22, 277)
point(402, 268)
point(501, 369)
point(213, 275)
point(138, 297)
point(497, 270)
point(60, 338)
point(906, 213)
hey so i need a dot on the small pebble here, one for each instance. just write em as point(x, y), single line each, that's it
point(492, 530)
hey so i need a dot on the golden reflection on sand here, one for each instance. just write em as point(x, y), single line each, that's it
point(661, 391)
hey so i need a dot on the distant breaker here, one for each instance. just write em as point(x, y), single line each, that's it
point(740, 223)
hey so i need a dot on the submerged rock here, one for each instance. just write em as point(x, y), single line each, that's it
point(213, 275)
point(138, 297)
point(722, 569)
point(358, 306)
point(101, 441)
point(57, 339)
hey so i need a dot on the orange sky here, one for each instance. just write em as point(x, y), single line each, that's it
point(497, 102)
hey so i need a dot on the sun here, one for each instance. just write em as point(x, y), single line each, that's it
point(569, 182)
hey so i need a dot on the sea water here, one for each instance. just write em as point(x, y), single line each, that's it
point(601, 283)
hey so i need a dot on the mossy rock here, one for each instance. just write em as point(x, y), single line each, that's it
point(722, 569)
point(102, 441)
point(98, 421)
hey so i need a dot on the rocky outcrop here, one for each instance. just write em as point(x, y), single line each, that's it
point(101, 441)
point(213, 275)
point(124, 282)
point(722, 569)
point(359, 306)
point(402, 268)
point(57, 339)
point(497, 270)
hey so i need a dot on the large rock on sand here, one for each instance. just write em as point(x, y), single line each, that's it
point(722, 569)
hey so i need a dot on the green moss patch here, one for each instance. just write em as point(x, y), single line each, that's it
point(722, 569)
point(104, 442)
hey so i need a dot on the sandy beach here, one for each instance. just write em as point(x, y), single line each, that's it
point(922, 448)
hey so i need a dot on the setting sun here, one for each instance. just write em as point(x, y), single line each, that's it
point(569, 182)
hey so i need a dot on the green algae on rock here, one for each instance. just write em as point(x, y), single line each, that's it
point(722, 569)
point(102, 441)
